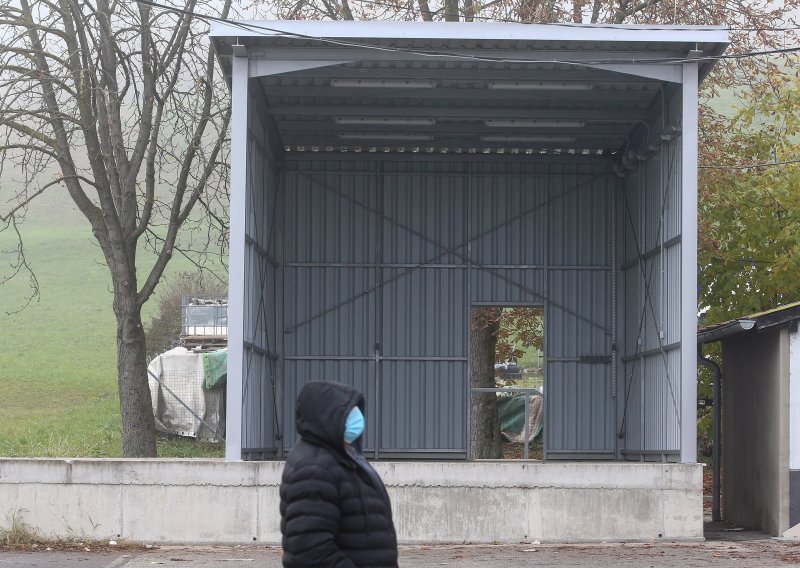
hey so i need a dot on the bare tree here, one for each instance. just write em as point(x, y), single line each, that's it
point(118, 104)
point(754, 23)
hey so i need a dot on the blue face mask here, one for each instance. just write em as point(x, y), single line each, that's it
point(354, 426)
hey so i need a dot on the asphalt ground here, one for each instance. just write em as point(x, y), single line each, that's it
point(742, 552)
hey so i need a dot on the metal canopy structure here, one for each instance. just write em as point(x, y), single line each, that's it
point(453, 87)
point(388, 176)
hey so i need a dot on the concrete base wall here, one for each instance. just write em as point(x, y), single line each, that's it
point(209, 501)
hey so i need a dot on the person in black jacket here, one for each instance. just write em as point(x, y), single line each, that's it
point(334, 507)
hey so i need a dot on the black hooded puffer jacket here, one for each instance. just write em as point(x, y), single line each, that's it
point(334, 508)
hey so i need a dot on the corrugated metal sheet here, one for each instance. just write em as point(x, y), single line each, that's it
point(359, 375)
point(579, 314)
point(508, 286)
point(260, 380)
point(661, 400)
point(428, 214)
point(630, 216)
point(631, 422)
point(507, 219)
point(327, 312)
point(424, 313)
point(653, 355)
point(331, 218)
point(354, 281)
point(672, 294)
point(383, 260)
point(409, 296)
point(579, 408)
point(424, 405)
point(579, 216)
point(633, 310)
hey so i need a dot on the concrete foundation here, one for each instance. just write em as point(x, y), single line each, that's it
point(210, 501)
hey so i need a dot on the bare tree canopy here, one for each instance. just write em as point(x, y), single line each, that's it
point(752, 21)
point(119, 105)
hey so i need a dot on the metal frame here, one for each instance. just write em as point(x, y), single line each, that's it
point(236, 276)
point(304, 49)
point(689, 264)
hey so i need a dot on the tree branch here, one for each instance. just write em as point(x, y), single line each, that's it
point(61, 141)
point(25, 202)
point(22, 263)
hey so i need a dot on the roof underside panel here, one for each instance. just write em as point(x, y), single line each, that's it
point(506, 88)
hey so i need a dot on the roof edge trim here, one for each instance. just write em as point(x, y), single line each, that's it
point(495, 31)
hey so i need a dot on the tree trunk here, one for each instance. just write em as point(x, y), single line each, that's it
point(451, 11)
point(138, 426)
point(485, 421)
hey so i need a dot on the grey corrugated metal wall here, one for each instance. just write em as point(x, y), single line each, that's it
point(650, 211)
point(262, 342)
point(384, 257)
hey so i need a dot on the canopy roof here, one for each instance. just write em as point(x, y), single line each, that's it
point(572, 88)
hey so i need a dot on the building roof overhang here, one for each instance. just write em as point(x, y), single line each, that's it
point(571, 88)
point(761, 321)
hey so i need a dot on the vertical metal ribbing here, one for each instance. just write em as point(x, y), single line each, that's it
point(378, 303)
point(546, 293)
point(468, 238)
point(663, 224)
point(280, 204)
point(642, 341)
point(613, 238)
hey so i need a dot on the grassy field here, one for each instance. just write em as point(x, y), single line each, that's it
point(58, 355)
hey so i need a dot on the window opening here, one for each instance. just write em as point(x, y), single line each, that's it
point(507, 382)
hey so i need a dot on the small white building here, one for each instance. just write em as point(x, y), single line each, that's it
point(760, 408)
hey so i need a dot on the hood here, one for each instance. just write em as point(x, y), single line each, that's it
point(321, 412)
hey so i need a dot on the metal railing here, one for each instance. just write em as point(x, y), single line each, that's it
point(529, 393)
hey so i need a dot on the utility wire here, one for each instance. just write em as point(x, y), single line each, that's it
point(272, 32)
point(409, 8)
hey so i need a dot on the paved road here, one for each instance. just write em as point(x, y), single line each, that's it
point(728, 554)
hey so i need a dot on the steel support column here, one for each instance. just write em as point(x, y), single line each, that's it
point(689, 265)
point(236, 255)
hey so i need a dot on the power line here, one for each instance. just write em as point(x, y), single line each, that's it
point(579, 25)
point(271, 32)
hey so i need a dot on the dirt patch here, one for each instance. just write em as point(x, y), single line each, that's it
point(43, 545)
point(514, 451)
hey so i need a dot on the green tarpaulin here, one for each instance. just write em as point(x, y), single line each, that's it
point(215, 369)
point(512, 415)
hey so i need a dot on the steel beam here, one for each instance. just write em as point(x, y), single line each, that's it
point(474, 125)
point(454, 94)
point(449, 111)
point(577, 57)
point(580, 143)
